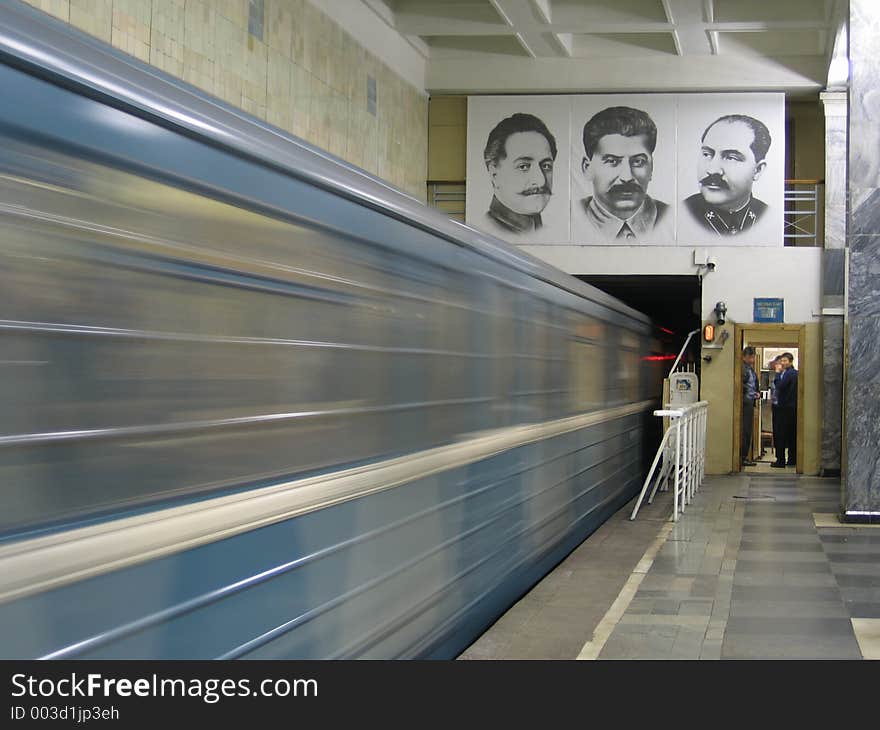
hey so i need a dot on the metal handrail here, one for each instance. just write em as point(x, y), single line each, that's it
point(803, 212)
point(683, 449)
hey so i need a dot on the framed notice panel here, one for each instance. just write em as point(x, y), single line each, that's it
point(628, 169)
point(768, 309)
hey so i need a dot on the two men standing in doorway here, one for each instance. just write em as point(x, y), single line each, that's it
point(785, 389)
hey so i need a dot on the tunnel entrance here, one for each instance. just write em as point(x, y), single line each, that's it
point(672, 303)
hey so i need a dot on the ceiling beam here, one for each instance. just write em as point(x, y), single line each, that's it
point(525, 45)
point(565, 42)
point(544, 9)
point(660, 73)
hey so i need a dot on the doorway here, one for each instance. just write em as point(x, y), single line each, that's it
point(769, 340)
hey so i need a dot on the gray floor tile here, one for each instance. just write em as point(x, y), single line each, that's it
point(805, 543)
point(665, 607)
point(793, 647)
point(782, 566)
point(788, 626)
point(779, 556)
point(788, 609)
point(861, 609)
point(834, 537)
point(622, 646)
point(786, 580)
point(858, 581)
point(696, 607)
point(784, 593)
point(761, 528)
point(866, 557)
point(866, 595)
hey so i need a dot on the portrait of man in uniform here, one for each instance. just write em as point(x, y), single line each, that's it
point(619, 144)
point(520, 154)
point(732, 157)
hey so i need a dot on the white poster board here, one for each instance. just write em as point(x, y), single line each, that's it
point(662, 169)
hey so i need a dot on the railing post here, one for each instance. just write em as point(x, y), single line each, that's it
point(677, 468)
point(686, 435)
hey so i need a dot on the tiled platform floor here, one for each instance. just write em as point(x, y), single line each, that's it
point(744, 574)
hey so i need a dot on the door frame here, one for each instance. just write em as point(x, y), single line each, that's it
point(767, 335)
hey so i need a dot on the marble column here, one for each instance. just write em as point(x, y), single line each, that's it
point(834, 260)
point(862, 310)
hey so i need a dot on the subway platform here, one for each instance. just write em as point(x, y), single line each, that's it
point(758, 567)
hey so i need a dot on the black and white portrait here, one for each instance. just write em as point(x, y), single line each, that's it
point(623, 182)
point(731, 159)
point(519, 150)
point(628, 169)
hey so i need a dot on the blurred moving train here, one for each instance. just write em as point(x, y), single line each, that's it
point(256, 403)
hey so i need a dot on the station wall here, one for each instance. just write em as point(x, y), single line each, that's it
point(301, 72)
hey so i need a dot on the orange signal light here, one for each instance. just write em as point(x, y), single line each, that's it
point(709, 332)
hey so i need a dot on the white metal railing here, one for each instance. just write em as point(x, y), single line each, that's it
point(804, 201)
point(683, 449)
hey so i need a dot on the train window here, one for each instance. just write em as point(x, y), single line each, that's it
point(628, 365)
point(587, 353)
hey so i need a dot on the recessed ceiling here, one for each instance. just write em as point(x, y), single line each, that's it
point(456, 46)
point(772, 42)
point(770, 11)
point(611, 45)
point(578, 12)
point(535, 46)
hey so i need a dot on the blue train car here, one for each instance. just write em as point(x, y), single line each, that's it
point(259, 404)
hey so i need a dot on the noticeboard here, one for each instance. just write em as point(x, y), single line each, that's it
point(769, 309)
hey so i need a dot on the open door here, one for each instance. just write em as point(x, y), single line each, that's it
point(767, 338)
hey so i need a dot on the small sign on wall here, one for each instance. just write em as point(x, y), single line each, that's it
point(769, 309)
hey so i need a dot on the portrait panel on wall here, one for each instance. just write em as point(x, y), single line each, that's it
point(623, 169)
point(731, 166)
point(517, 167)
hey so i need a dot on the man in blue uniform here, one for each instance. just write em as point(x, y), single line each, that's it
point(750, 394)
point(732, 157)
point(786, 412)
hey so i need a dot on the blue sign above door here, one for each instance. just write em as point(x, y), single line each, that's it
point(769, 309)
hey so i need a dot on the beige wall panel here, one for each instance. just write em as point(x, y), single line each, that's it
point(306, 76)
point(95, 17)
point(448, 111)
point(59, 8)
point(444, 162)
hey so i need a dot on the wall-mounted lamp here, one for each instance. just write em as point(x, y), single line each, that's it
point(720, 312)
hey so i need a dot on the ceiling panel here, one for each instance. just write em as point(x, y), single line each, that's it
point(772, 43)
point(579, 12)
point(611, 45)
point(475, 11)
point(474, 45)
point(750, 11)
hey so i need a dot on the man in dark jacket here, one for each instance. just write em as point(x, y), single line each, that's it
point(786, 412)
point(750, 394)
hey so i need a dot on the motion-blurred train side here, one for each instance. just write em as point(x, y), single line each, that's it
point(258, 404)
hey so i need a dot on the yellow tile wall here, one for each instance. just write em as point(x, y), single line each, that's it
point(307, 76)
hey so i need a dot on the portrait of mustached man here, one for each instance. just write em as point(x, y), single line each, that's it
point(732, 157)
point(519, 155)
point(619, 144)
